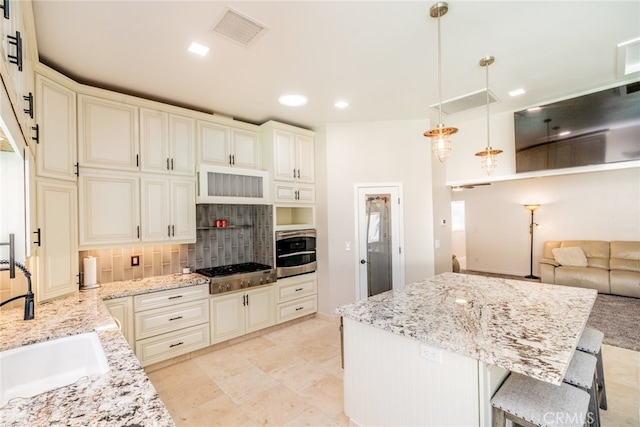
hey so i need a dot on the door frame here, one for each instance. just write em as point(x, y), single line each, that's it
point(397, 226)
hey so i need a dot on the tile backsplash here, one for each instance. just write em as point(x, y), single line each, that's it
point(247, 238)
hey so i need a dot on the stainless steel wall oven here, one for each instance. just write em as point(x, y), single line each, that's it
point(295, 252)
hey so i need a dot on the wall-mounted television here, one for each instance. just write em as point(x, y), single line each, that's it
point(601, 127)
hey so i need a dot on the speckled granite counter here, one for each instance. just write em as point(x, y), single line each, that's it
point(525, 327)
point(124, 395)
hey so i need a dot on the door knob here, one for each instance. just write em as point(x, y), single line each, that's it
point(363, 261)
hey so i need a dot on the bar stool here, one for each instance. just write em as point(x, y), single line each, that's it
point(582, 373)
point(591, 342)
point(532, 403)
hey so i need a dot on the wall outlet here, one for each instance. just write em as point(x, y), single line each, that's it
point(135, 260)
point(347, 246)
point(430, 353)
point(437, 243)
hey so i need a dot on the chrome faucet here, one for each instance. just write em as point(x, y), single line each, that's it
point(29, 306)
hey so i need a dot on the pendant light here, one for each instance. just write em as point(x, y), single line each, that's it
point(440, 143)
point(489, 160)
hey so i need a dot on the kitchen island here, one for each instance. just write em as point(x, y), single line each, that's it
point(434, 351)
point(122, 396)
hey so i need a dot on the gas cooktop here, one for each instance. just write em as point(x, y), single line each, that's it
point(226, 270)
point(227, 278)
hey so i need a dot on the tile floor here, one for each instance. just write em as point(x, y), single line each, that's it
point(292, 377)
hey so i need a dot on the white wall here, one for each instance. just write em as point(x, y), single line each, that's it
point(601, 205)
point(373, 152)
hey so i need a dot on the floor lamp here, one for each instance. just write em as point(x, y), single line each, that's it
point(532, 208)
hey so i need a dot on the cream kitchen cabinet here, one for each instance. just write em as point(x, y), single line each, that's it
point(57, 235)
point(107, 134)
point(109, 208)
point(122, 310)
point(296, 297)
point(171, 323)
point(286, 192)
point(166, 143)
point(57, 149)
point(289, 152)
point(238, 313)
point(223, 145)
point(168, 208)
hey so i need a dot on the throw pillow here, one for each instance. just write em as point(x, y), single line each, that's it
point(572, 256)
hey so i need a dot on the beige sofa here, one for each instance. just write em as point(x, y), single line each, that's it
point(611, 267)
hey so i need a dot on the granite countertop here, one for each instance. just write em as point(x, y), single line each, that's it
point(525, 327)
point(122, 396)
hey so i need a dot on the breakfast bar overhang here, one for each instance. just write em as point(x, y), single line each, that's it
point(433, 352)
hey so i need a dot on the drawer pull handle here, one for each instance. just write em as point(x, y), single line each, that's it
point(299, 308)
point(175, 345)
point(299, 289)
point(175, 296)
point(175, 318)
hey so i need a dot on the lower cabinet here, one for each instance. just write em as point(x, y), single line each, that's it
point(297, 296)
point(170, 323)
point(239, 313)
point(122, 311)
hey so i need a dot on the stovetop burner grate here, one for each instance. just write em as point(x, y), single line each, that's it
point(226, 270)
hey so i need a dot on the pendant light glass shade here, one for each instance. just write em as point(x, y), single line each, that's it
point(440, 142)
point(488, 155)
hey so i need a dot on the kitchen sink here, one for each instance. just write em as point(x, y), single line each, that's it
point(33, 369)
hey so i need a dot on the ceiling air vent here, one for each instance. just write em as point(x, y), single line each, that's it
point(238, 27)
point(466, 102)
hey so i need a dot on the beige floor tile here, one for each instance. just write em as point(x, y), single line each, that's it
point(274, 407)
point(292, 377)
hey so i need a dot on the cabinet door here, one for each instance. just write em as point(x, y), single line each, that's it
point(58, 252)
point(227, 317)
point(284, 155)
point(155, 209)
point(109, 208)
point(183, 210)
point(154, 141)
point(122, 310)
point(305, 159)
point(181, 145)
point(245, 149)
point(56, 115)
point(108, 134)
point(260, 308)
point(214, 144)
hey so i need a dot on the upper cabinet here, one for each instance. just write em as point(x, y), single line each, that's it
point(107, 134)
point(166, 143)
point(56, 115)
point(223, 145)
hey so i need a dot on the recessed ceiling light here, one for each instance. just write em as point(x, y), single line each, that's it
point(516, 92)
point(198, 48)
point(533, 109)
point(292, 100)
point(341, 104)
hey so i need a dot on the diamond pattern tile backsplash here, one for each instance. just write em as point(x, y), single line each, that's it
point(247, 238)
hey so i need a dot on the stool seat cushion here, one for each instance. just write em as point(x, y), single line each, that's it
point(590, 341)
point(541, 403)
point(581, 370)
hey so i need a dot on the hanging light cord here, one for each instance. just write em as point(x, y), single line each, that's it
point(439, 72)
point(488, 131)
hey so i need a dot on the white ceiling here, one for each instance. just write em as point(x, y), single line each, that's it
point(381, 56)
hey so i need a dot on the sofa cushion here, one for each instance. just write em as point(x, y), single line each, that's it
point(625, 283)
point(625, 256)
point(583, 277)
point(572, 256)
point(596, 251)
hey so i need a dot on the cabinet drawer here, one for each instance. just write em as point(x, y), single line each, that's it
point(172, 296)
point(167, 319)
point(297, 308)
point(157, 349)
point(290, 289)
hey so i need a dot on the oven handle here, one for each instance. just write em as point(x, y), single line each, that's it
point(297, 233)
point(297, 253)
